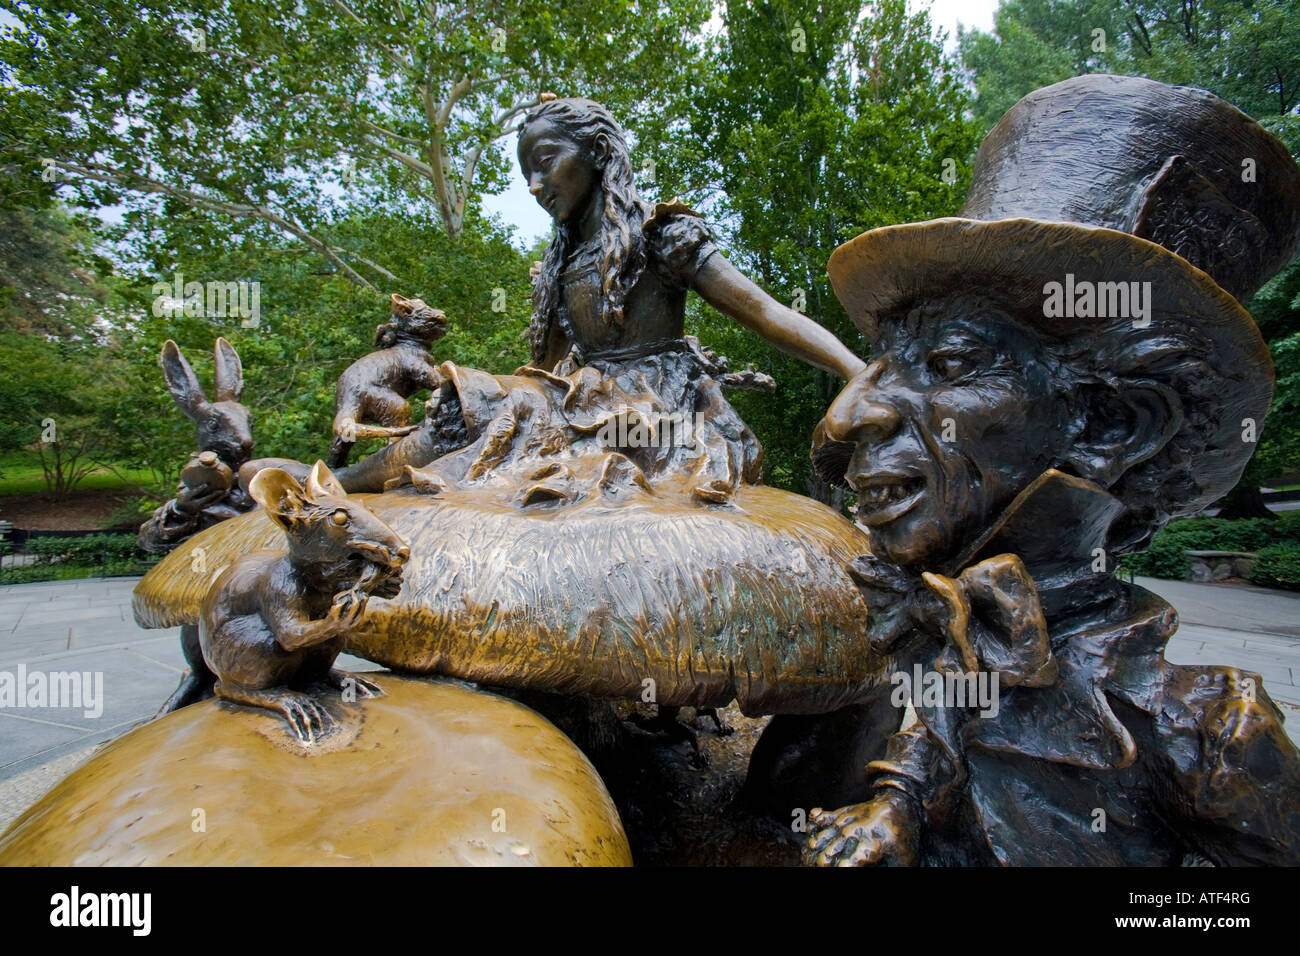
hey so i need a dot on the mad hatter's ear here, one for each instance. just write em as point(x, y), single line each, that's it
point(1123, 427)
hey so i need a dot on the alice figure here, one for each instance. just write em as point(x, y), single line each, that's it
point(609, 301)
point(612, 287)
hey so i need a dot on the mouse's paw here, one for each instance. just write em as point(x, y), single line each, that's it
point(309, 721)
point(354, 685)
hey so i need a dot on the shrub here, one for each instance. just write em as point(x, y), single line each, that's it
point(1278, 566)
point(86, 556)
point(63, 571)
point(85, 549)
point(1165, 557)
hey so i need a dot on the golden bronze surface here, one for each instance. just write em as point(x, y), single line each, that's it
point(750, 601)
point(431, 773)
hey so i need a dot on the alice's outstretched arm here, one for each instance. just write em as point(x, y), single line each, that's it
point(728, 290)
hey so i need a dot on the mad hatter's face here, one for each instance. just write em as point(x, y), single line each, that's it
point(959, 410)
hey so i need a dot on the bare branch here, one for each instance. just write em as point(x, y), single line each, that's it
point(374, 265)
point(439, 161)
point(389, 133)
point(406, 159)
point(238, 210)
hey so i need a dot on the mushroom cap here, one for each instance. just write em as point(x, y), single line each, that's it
point(431, 773)
point(654, 598)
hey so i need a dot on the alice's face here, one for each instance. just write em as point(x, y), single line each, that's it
point(955, 415)
point(560, 174)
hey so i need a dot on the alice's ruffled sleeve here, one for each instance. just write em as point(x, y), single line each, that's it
point(677, 243)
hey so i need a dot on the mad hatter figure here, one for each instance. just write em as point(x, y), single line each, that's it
point(1046, 389)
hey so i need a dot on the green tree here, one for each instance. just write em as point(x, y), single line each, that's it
point(818, 121)
point(309, 330)
point(274, 112)
point(49, 271)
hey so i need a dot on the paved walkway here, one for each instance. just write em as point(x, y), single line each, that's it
point(87, 626)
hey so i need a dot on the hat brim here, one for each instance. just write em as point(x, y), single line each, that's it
point(891, 268)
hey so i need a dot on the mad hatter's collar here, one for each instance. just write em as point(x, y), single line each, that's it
point(1059, 526)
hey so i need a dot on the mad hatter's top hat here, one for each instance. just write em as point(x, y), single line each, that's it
point(1171, 164)
point(1106, 179)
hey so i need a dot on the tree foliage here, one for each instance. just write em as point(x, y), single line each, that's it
point(278, 112)
point(817, 122)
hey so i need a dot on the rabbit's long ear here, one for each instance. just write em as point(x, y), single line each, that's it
point(322, 483)
point(277, 491)
point(229, 374)
point(181, 380)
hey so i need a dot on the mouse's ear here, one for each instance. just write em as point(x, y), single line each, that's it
point(277, 491)
point(321, 483)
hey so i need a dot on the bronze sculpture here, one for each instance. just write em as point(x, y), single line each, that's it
point(272, 623)
point(1008, 443)
point(706, 591)
point(208, 491)
point(437, 774)
point(1007, 451)
point(370, 399)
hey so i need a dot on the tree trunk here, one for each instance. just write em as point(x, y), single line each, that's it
point(1244, 501)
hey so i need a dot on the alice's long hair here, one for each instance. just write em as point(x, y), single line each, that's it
point(621, 245)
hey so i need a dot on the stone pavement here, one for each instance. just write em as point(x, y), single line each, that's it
point(87, 626)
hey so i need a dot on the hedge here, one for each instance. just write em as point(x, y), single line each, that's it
point(85, 556)
point(1277, 542)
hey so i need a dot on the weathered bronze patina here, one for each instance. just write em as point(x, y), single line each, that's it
point(607, 337)
point(1008, 448)
point(592, 524)
point(208, 491)
point(370, 399)
point(429, 774)
point(273, 622)
point(752, 602)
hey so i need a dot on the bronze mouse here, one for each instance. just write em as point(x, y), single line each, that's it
point(273, 623)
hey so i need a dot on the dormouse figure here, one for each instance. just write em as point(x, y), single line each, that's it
point(273, 623)
point(371, 398)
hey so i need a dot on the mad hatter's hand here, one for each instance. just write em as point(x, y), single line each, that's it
point(883, 831)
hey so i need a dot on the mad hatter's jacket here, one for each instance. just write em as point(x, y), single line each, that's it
point(1101, 752)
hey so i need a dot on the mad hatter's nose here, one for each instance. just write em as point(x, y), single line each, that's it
point(857, 414)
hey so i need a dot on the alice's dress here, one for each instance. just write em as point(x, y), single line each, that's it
point(620, 407)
